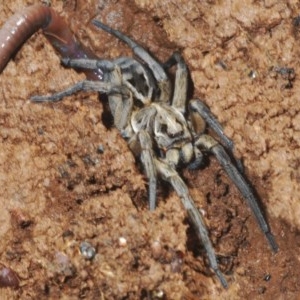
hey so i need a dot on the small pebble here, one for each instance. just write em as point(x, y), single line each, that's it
point(159, 294)
point(252, 74)
point(177, 261)
point(100, 149)
point(87, 250)
point(8, 277)
point(156, 249)
point(203, 212)
point(122, 241)
point(267, 277)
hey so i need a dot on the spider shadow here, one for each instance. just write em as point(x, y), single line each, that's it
point(194, 244)
point(106, 117)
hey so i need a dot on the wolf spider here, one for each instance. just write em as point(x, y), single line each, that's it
point(152, 119)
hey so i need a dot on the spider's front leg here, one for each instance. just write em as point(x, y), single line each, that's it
point(159, 74)
point(85, 85)
point(181, 81)
point(170, 175)
point(111, 84)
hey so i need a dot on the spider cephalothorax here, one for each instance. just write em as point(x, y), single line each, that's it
point(159, 130)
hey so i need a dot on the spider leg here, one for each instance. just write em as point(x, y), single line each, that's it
point(141, 144)
point(85, 85)
point(181, 81)
point(134, 74)
point(198, 107)
point(170, 175)
point(87, 63)
point(235, 175)
point(120, 105)
point(140, 75)
point(157, 70)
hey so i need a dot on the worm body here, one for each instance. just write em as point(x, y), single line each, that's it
point(23, 24)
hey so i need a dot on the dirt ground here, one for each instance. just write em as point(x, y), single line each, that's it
point(68, 177)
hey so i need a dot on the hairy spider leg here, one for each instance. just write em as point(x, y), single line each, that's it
point(85, 85)
point(170, 175)
point(210, 144)
point(147, 158)
point(132, 70)
point(156, 68)
point(120, 105)
point(198, 107)
point(87, 63)
point(181, 81)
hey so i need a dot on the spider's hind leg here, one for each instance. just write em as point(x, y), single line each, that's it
point(210, 144)
point(170, 175)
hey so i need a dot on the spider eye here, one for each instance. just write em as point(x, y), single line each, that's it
point(176, 134)
point(164, 128)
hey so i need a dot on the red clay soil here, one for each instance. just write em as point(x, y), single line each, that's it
point(67, 177)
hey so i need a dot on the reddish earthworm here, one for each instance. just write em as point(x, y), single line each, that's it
point(25, 23)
